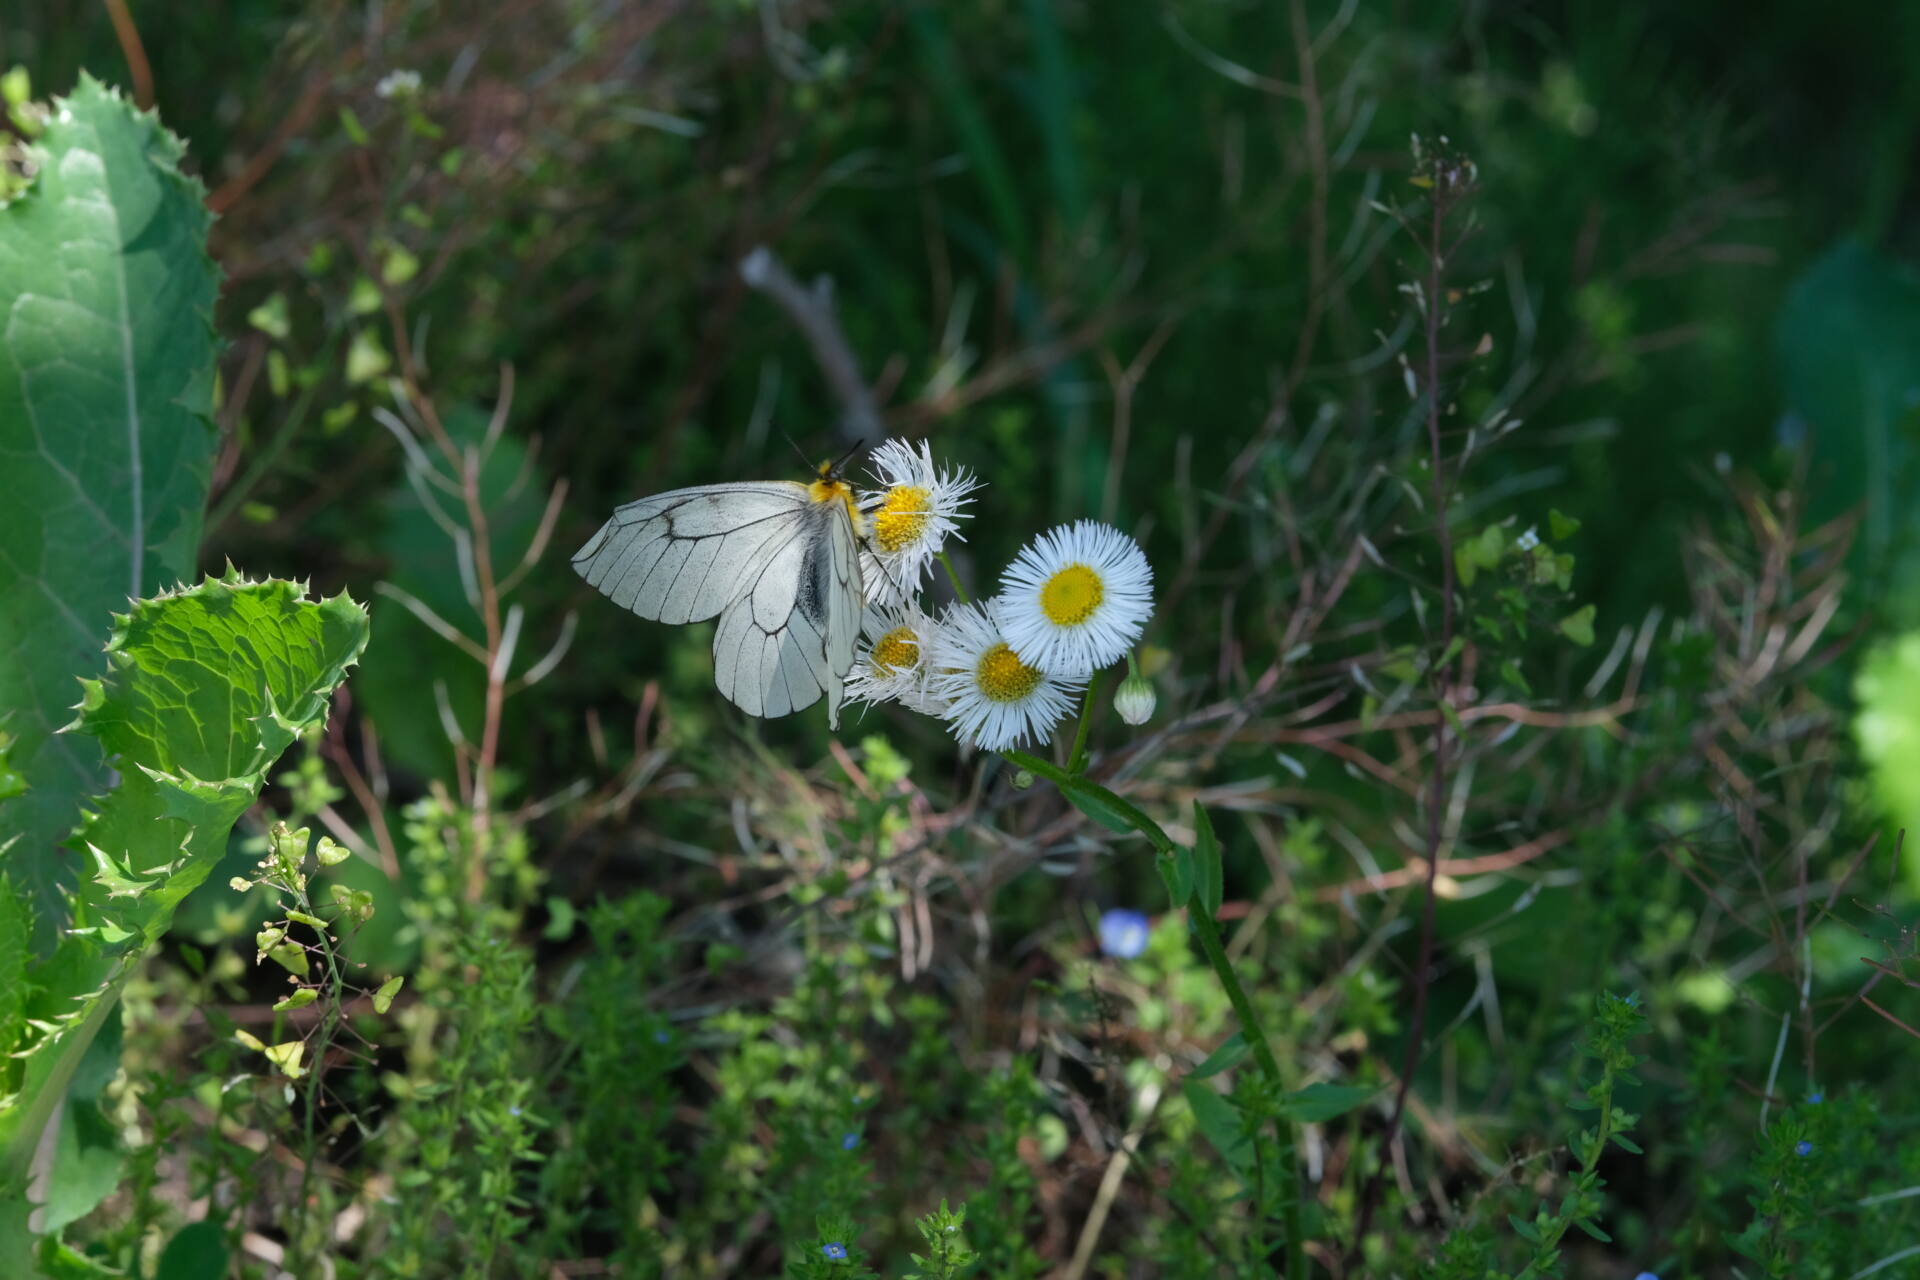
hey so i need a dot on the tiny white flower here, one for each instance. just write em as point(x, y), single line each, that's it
point(893, 661)
point(911, 515)
point(398, 84)
point(1075, 598)
point(1528, 540)
point(991, 698)
point(1135, 699)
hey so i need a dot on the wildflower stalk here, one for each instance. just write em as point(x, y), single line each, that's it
point(953, 576)
point(1077, 758)
point(1617, 1020)
point(1208, 931)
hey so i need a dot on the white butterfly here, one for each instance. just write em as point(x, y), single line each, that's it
point(778, 562)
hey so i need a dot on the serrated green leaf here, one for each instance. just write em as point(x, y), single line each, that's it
point(1319, 1103)
point(106, 376)
point(1209, 884)
point(205, 688)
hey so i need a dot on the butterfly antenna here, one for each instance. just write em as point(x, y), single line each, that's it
point(805, 461)
point(841, 461)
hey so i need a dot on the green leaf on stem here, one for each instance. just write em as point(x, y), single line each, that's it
point(1209, 886)
point(1097, 803)
point(1319, 1103)
point(1231, 1052)
point(1176, 871)
point(1219, 1120)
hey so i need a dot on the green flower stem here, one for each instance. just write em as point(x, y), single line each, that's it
point(953, 576)
point(1209, 933)
point(1077, 758)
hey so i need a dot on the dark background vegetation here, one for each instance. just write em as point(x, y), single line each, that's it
point(1694, 225)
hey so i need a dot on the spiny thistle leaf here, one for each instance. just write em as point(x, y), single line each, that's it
point(205, 687)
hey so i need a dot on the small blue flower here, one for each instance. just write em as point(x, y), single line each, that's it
point(849, 1141)
point(1123, 933)
point(1803, 1148)
point(1816, 1098)
point(663, 1036)
point(835, 1250)
point(513, 1111)
point(1646, 1275)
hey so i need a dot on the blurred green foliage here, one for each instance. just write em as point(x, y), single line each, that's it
point(1161, 265)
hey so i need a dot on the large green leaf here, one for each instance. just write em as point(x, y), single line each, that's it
point(1849, 338)
point(204, 688)
point(16, 925)
point(106, 364)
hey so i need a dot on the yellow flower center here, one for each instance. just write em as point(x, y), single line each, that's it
point(902, 517)
point(1071, 595)
point(1003, 677)
point(898, 650)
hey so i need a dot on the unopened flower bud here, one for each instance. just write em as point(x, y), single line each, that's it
point(1135, 699)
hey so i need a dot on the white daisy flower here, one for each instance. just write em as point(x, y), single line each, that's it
point(894, 660)
point(911, 515)
point(1075, 598)
point(991, 698)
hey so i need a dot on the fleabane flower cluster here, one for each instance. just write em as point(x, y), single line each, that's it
point(1004, 672)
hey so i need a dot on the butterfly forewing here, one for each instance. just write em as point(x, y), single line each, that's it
point(780, 570)
point(686, 555)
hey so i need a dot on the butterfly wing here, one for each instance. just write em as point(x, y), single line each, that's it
point(781, 570)
point(845, 607)
point(685, 556)
point(789, 640)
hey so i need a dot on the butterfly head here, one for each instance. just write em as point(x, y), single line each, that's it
point(828, 486)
